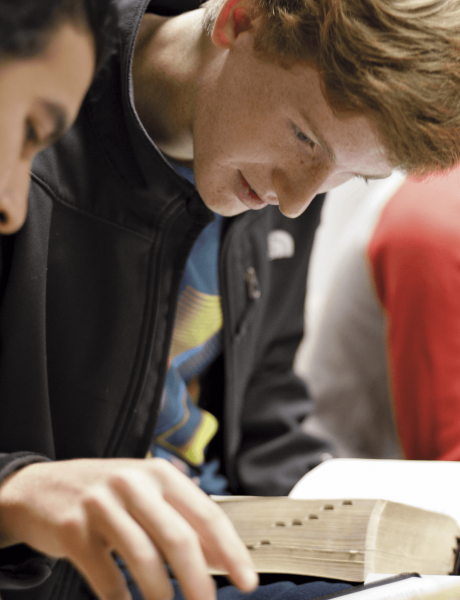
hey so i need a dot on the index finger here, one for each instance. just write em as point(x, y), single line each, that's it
point(221, 544)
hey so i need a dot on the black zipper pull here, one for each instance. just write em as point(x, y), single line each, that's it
point(252, 283)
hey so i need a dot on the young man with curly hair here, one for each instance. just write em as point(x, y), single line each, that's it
point(153, 302)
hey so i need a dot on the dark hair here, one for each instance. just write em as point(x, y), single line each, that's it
point(26, 25)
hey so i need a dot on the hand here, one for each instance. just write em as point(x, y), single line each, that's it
point(145, 511)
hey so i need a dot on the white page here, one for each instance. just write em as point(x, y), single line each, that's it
point(432, 485)
point(415, 588)
point(448, 579)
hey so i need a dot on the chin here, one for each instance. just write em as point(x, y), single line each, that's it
point(226, 208)
point(229, 212)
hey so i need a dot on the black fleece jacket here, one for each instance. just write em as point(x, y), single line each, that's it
point(88, 290)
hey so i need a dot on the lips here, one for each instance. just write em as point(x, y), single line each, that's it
point(247, 195)
point(251, 192)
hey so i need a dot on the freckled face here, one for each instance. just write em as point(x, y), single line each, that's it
point(266, 135)
point(39, 99)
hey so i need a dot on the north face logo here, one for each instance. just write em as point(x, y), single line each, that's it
point(280, 244)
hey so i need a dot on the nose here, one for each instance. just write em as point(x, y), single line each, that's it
point(13, 199)
point(296, 188)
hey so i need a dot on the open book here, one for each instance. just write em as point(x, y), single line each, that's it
point(351, 517)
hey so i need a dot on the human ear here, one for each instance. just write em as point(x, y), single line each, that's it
point(235, 17)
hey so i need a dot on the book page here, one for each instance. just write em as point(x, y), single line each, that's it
point(426, 588)
point(431, 485)
point(441, 579)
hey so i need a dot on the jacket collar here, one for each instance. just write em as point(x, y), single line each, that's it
point(135, 155)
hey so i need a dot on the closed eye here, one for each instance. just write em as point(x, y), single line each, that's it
point(49, 127)
point(32, 142)
point(31, 135)
point(363, 178)
point(300, 135)
point(368, 178)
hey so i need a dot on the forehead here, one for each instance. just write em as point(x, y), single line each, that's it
point(62, 71)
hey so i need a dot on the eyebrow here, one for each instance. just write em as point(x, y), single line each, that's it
point(60, 119)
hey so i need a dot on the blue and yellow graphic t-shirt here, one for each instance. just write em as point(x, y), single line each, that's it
point(184, 429)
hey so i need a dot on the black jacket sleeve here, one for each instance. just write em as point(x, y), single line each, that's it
point(20, 566)
point(22, 292)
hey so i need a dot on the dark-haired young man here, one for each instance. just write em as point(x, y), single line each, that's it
point(49, 51)
point(270, 103)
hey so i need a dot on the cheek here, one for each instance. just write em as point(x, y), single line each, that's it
point(312, 171)
point(10, 150)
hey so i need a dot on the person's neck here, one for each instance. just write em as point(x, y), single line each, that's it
point(169, 59)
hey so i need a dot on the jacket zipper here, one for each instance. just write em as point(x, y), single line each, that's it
point(254, 293)
point(175, 209)
point(252, 283)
